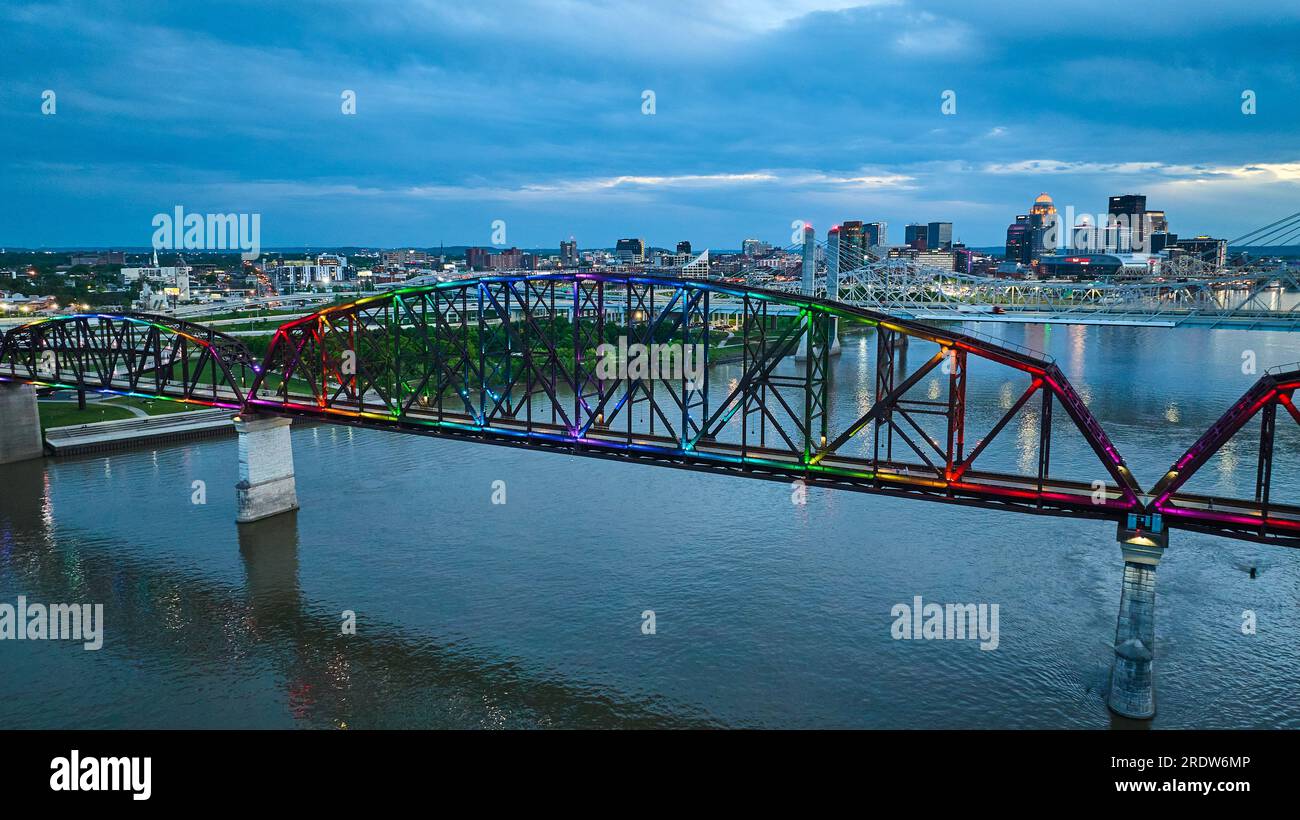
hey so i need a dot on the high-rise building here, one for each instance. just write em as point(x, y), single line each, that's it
point(630, 251)
point(917, 236)
point(1213, 251)
point(851, 229)
point(963, 260)
point(754, 247)
point(939, 236)
point(509, 259)
point(857, 238)
point(1042, 222)
point(1128, 204)
point(684, 247)
point(405, 256)
point(852, 242)
point(1019, 241)
point(1130, 222)
point(569, 253)
point(697, 268)
point(477, 258)
point(1162, 240)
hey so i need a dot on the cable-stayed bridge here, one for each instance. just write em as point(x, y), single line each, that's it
point(1190, 291)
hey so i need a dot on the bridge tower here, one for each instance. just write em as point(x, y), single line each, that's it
point(833, 283)
point(1132, 687)
point(20, 435)
point(808, 283)
point(266, 480)
point(809, 259)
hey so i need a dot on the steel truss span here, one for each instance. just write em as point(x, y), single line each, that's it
point(136, 354)
point(513, 360)
point(518, 360)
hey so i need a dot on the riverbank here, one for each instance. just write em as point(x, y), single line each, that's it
point(125, 433)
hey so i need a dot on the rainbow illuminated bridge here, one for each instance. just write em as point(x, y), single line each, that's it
point(523, 360)
point(512, 360)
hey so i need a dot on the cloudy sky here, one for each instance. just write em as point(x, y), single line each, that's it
point(531, 111)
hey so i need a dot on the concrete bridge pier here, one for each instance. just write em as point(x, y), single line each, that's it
point(1132, 686)
point(835, 336)
point(20, 435)
point(266, 480)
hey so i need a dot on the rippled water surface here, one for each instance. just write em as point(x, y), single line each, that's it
point(529, 613)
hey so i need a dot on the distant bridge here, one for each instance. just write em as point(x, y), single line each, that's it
point(1189, 292)
point(1252, 299)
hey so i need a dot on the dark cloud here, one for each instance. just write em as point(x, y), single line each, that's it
point(766, 112)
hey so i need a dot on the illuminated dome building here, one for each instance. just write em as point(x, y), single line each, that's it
point(1042, 217)
point(1026, 236)
point(1043, 205)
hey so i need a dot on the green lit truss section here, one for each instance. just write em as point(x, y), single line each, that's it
point(133, 354)
point(702, 375)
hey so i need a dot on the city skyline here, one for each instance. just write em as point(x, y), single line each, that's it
point(928, 228)
point(461, 121)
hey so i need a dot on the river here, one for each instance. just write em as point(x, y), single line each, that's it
point(530, 613)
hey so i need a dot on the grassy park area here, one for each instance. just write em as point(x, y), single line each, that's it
point(65, 414)
point(154, 407)
point(60, 413)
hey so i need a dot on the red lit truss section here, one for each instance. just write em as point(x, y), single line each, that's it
point(1260, 517)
